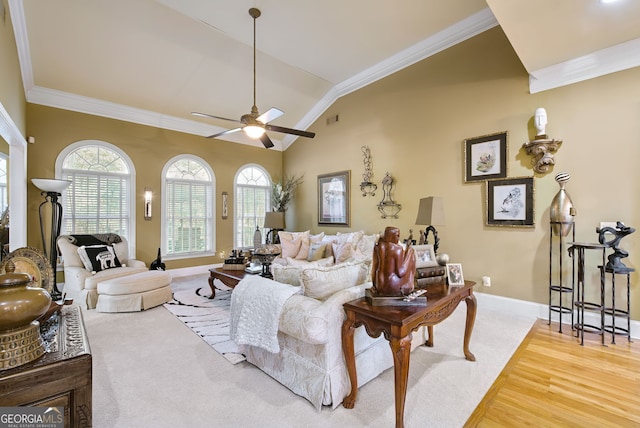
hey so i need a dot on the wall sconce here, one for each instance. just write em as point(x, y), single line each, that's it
point(387, 206)
point(367, 187)
point(148, 199)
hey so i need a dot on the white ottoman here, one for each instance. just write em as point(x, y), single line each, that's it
point(135, 292)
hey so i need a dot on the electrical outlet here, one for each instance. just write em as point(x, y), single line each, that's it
point(486, 281)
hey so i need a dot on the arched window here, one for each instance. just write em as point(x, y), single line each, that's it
point(188, 208)
point(252, 201)
point(100, 197)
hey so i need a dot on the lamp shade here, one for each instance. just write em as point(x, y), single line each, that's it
point(431, 211)
point(274, 220)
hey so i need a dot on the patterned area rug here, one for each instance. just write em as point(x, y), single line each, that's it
point(209, 319)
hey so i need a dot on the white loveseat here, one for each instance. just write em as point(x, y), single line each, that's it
point(81, 284)
point(310, 361)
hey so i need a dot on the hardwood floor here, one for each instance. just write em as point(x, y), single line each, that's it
point(552, 381)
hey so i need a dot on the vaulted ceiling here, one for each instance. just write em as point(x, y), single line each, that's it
point(155, 61)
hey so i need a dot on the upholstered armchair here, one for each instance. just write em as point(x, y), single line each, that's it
point(81, 279)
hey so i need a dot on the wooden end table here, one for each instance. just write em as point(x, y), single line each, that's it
point(230, 278)
point(397, 324)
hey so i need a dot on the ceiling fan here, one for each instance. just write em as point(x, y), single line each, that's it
point(255, 124)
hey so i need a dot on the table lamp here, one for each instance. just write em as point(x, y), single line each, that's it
point(430, 212)
point(274, 220)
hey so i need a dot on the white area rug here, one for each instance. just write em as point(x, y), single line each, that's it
point(150, 371)
point(208, 318)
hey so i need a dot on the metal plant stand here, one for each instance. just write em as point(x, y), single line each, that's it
point(560, 287)
point(56, 222)
point(612, 310)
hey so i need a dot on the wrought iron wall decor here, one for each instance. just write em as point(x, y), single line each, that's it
point(387, 206)
point(367, 186)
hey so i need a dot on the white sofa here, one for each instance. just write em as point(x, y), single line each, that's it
point(81, 284)
point(310, 361)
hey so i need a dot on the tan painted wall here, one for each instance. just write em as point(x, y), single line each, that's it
point(415, 122)
point(11, 89)
point(150, 149)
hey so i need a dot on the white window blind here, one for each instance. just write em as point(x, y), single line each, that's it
point(253, 200)
point(97, 201)
point(188, 210)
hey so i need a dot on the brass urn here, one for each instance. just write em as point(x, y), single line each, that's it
point(562, 211)
point(20, 306)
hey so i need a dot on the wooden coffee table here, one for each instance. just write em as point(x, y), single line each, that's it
point(397, 323)
point(230, 278)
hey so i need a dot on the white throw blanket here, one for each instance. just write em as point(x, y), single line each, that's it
point(256, 304)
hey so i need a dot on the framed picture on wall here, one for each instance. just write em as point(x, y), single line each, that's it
point(510, 202)
point(334, 198)
point(485, 157)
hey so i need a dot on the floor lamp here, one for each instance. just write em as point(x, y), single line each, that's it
point(430, 212)
point(51, 190)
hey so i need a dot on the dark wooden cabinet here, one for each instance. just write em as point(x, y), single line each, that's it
point(62, 377)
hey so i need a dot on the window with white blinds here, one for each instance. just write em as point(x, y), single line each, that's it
point(253, 200)
point(188, 208)
point(98, 199)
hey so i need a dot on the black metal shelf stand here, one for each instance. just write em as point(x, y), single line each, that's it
point(580, 303)
point(560, 288)
point(612, 310)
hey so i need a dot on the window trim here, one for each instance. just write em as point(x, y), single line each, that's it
point(163, 218)
point(235, 192)
point(131, 239)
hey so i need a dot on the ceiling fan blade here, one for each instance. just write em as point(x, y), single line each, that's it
point(266, 141)
point(228, 131)
point(195, 113)
point(271, 114)
point(290, 131)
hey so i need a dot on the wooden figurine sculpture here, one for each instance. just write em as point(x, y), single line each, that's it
point(393, 268)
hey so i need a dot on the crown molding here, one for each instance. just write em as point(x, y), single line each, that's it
point(16, 12)
point(605, 61)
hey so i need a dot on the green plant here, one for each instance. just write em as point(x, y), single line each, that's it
point(282, 192)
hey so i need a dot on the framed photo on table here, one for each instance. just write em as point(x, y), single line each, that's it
point(510, 202)
point(454, 274)
point(334, 198)
point(425, 256)
point(485, 157)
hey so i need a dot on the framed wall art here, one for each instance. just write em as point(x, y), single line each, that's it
point(225, 205)
point(485, 157)
point(334, 198)
point(454, 274)
point(425, 256)
point(510, 202)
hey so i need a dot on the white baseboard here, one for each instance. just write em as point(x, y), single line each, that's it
point(537, 310)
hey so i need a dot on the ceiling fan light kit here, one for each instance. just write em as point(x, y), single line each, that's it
point(254, 124)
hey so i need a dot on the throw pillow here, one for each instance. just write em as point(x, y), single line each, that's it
point(287, 274)
point(290, 248)
point(366, 244)
point(343, 252)
point(321, 283)
point(98, 257)
point(316, 251)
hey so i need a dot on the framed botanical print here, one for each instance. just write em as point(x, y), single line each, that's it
point(334, 198)
point(510, 202)
point(485, 157)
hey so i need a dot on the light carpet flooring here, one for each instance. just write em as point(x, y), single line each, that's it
point(150, 370)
